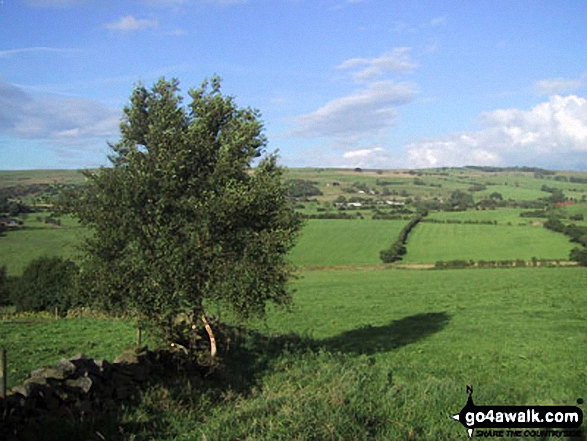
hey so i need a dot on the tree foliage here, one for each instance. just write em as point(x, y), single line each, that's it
point(459, 201)
point(46, 284)
point(182, 218)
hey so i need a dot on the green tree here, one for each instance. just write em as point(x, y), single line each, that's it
point(182, 219)
point(4, 286)
point(579, 255)
point(460, 200)
point(45, 284)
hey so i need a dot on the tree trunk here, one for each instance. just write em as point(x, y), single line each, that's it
point(211, 335)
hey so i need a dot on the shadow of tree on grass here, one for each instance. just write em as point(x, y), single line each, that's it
point(372, 339)
point(246, 357)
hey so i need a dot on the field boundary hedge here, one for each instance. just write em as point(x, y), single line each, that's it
point(510, 263)
point(398, 249)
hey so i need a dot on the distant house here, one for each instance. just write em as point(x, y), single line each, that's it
point(6, 222)
point(354, 204)
point(395, 203)
point(562, 204)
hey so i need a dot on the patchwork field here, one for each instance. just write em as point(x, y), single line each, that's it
point(430, 242)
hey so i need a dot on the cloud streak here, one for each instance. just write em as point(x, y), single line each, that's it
point(396, 61)
point(61, 121)
point(131, 24)
point(36, 50)
point(555, 86)
point(366, 113)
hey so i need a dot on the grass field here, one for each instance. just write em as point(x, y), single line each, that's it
point(328, 242)
point(430, 242)
point(383, 354)
point(38, 239)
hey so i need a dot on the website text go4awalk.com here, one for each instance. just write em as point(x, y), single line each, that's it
point(520, 421)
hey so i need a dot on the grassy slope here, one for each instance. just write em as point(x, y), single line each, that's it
point(344, 242)
point(429, 243)
point(398, 349)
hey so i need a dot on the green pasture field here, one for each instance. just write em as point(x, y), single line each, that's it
point(36, 239)
point(569, 210)
point(429, 243)
point(328, 242)
point(365, 354)
point(32, 342)
point(398, 349)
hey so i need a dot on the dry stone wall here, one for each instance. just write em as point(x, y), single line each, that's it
point(82, 389)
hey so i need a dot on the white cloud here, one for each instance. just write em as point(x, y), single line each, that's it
point(363, 114)
point(374, 157)
point(555, 86)
point(363, 153)
point(396, 61)
point(56, 119)
point(131, 24)
point(551, 134)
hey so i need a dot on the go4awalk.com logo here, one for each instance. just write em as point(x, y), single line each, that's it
point(519, 421)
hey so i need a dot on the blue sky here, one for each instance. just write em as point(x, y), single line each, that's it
point(340, 83)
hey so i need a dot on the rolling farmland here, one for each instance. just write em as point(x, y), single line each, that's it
point(367, 350)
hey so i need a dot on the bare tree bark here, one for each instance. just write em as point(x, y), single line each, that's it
point(211, 335)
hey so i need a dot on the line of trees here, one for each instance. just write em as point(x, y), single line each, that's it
point(458, 221)
point(398, 249)
point(578, 234)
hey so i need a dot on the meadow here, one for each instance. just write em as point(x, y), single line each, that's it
point(366, 354)
point(331, 242)
point(430, 242)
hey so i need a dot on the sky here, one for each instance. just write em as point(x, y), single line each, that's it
point(339, 83)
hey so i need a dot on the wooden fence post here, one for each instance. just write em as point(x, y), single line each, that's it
point(139, 336)
point(3, 369)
